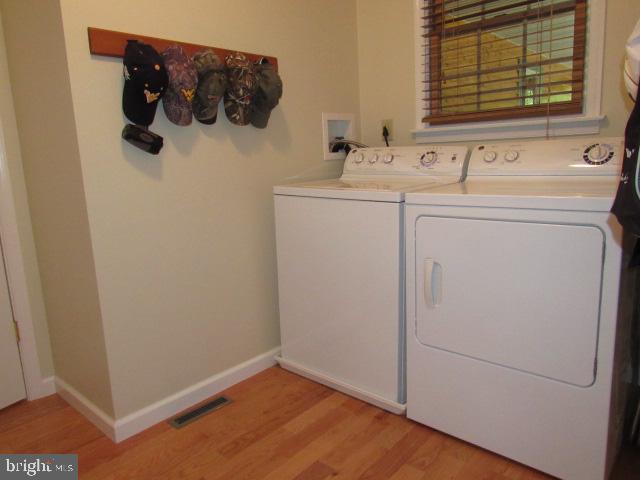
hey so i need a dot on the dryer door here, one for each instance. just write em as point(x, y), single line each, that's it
point(520, 295)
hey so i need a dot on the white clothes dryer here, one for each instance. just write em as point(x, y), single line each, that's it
point(340, 250)
point(514, 341)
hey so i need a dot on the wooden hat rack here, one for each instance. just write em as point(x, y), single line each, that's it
point(111, 44)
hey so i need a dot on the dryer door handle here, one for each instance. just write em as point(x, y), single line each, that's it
point(432, 282)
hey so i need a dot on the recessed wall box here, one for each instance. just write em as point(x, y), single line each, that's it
point(336, 125)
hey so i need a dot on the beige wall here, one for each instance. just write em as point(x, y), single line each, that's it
point(385, 64)
point(183, 242)
point(387, 86)
point(48, 142)
point(14, 161)
point(159, 271)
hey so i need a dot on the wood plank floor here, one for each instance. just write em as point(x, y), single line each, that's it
point(280, 426)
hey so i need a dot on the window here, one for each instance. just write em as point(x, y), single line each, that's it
point(506, 61)
point(496, 59)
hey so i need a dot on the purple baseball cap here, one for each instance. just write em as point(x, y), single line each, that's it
point(183, 80)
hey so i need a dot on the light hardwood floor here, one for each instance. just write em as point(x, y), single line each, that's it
point(280, 426)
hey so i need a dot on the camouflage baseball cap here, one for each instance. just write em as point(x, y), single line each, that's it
point(145, 82)
point(242, 86)
point(267, 95)
point(212, 83)
point(183, 80)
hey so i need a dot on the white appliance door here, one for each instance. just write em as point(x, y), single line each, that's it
point(523, 296)
point(340, 289)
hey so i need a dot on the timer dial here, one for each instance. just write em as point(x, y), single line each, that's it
point(429, 158)
point(597, 154)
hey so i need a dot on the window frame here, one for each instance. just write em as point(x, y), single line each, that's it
point(586, 122)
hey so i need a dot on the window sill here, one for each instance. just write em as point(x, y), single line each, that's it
point(526, 128)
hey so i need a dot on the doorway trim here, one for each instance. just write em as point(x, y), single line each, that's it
point(36, 386)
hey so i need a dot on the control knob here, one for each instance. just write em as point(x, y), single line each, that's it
point(490, 157)
point(387, 158)
point(511, 156)
point(373, 158)
point(429, 158)
point(358, 158)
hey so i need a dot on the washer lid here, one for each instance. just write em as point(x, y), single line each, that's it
point(593, 194)
point(380, 189)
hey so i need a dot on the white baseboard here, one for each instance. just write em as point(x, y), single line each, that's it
point(47, 386)
point(144, 418)
point(86, 407)
point(42, 387)
point(165, 408)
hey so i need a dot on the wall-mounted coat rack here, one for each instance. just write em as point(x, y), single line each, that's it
point(111, 44)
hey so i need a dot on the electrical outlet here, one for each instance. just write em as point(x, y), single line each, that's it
point(389, 124)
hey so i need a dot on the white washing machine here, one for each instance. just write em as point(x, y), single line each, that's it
point(340, 249)
point(513, 282)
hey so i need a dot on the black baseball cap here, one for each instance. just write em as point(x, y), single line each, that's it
point(142, 138)
point(145, 82)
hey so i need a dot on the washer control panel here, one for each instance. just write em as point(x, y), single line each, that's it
point(574, 156)
point(414, 160)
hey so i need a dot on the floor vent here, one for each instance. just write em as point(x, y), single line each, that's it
point(199, 412)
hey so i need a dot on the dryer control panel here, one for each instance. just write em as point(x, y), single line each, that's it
point(579, 156)
point(450, 160)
